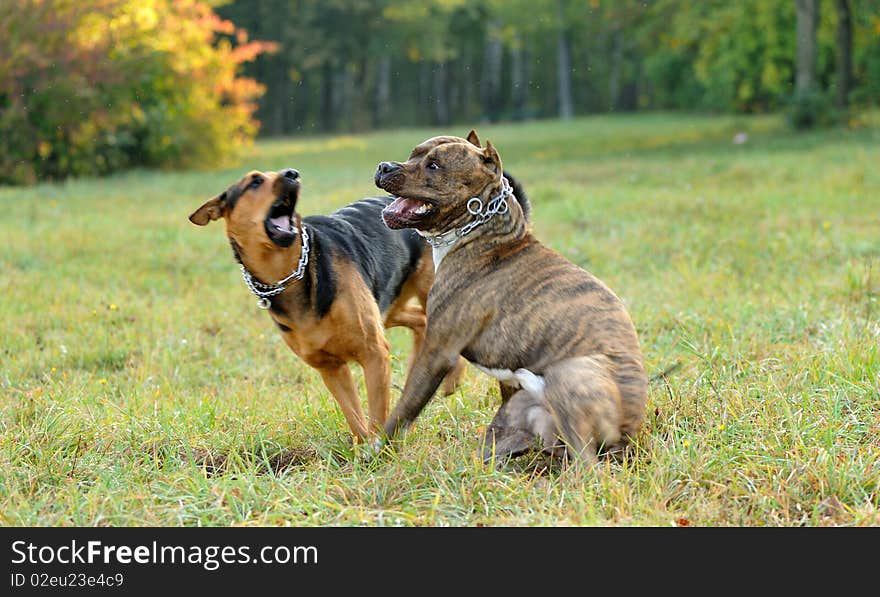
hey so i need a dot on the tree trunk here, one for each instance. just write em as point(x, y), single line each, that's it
point(426, 93)
point(466, 81)
point(491, 79)
point(382, 108)
point(281, 99)
point(807, 12)
point(629, 90)
point(269, 70)
point(844, 53)
point(518, 85)
point(302, 102)
point(441, 95)
point(359, 83)
point(528, 77)
point(326, 116)
point(453, 89)
point(586, 99)
point(563, 75)
point(339, 108)
point(615, 73)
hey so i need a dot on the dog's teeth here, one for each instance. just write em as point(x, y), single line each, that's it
point(421, 209)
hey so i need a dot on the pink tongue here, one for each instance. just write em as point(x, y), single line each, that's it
point(402, 206)
point(283, 223)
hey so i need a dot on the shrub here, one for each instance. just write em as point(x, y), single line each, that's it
point(93, 87)
point(810, 109)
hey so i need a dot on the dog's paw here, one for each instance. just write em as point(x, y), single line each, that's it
point(503, 443)
point(370, 449)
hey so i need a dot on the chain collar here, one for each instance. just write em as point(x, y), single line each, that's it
point(266, 291)
point(495, 205)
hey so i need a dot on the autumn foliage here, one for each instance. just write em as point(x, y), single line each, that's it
point(91, 87)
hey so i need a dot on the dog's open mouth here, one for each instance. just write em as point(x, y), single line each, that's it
point(404, 212)
point(279, 224)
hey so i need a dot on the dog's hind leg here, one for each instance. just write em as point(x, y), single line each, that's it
point(453, 378)
point(412, 317)
point(420, 289)
point(506, 390)
point(585, 404)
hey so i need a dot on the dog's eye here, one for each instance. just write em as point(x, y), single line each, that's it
point(256, 182)
point(433, 166)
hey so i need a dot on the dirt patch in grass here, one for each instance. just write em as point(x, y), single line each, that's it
point(260, 461)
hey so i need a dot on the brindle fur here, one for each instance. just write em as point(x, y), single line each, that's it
point(504, 301)
point(360, 278)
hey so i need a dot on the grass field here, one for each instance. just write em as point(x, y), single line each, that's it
point(133, 356)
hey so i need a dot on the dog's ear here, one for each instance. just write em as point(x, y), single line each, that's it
point(210, 211)
point(473, 139)
point(491, 158)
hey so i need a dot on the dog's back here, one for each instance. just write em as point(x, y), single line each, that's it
point(385, 258)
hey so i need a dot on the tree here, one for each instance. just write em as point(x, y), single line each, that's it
point(563, 66)
point(94, 87)
point(844, 53)
point(355, 64)
point(808, 106)
point(807, 12)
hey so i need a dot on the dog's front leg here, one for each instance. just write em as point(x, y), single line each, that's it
point(429, 369)
point(377, 377)
point(339, 381)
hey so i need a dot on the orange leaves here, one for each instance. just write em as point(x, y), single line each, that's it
point(103, 85)
point(249, 51)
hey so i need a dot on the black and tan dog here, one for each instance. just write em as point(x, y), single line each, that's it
point(341, 278)
point(558, 340)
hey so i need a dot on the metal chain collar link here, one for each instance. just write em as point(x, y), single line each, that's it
point(265, 291)
point(495, 205)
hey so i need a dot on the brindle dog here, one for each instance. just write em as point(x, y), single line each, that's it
point(355, 277)
point(559, 341)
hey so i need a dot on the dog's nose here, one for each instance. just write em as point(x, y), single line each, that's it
point(387, 167)
point(290, 174)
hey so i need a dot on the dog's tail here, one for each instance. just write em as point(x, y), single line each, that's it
point(520, 193)
point(665, 373)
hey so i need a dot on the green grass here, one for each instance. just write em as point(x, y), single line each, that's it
point(131, 349)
